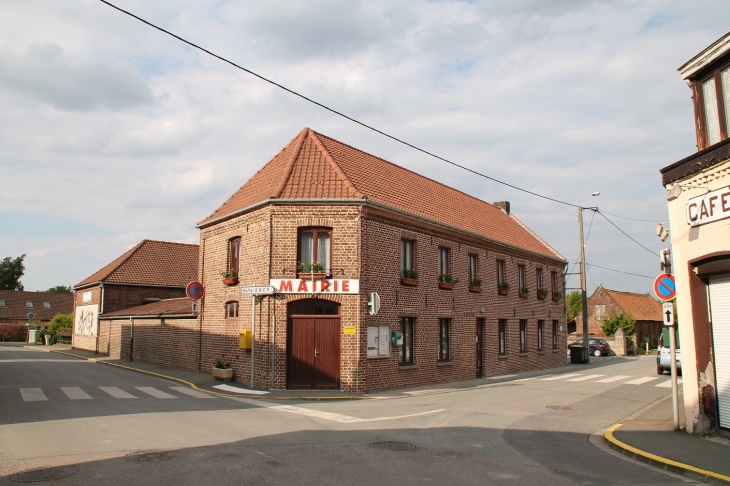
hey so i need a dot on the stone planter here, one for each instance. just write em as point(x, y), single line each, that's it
point(476, 290)
point(409, 281)
point(446, 286)
point(223, 374)
point(502, 291)
point(230, 281)
point(310, 275)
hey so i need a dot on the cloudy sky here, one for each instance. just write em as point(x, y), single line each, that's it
point(111, 131)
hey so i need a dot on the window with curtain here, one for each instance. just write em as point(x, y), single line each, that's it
point(503, 336)
point(523, 336)
point(234, 255)
point(315, 250)
point(405, 352)
point(406, 257)
point(540, 330)
point(443, 261)
point(443, 349)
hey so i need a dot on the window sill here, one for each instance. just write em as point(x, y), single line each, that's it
point(444, 363)
point(502, 356)
point(408, 367)
point(541, 352)
point(523, 355)
point(555, 350)
point(378, 357)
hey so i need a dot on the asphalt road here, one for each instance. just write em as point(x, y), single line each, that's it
point(533, 431)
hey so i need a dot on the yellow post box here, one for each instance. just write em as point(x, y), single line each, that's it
point(244, 338)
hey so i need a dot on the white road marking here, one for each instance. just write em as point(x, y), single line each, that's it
point(560, 377)
point(154, 392)
point(525, 379)
point(668, 383)
point(33, 395)
point(586, 377)
point(191, 392)
point(116, 392)
point(611, 379)
point(235, 389)
point(429, 392)
point(641, 381)
point(498, 377)
point(43, 361)
point(75, 393)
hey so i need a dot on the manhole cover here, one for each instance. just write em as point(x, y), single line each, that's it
point(149, 456)
point(44, 474)
point(393, 445)
point(560, 407)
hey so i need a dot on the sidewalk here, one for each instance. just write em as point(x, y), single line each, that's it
point(649, 437)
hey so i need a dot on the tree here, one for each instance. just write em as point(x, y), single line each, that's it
point(11, 269)
point(619, 321)
point(60, 289)
point(574, 301)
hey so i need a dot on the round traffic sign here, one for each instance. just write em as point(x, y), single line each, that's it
point(664, 287)
point(31, 315)
point(194, 290)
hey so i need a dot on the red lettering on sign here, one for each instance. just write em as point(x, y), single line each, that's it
point(725, 202)
point(302, 286)
point(689, 209)
point(285, 286)
point(345, 285)
point(703, 210)
point(336, 285)
point(712, 204)
point(325, 286)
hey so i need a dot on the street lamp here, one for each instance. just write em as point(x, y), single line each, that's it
point(583, 297)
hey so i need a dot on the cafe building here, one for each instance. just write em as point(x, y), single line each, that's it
point(382, 278)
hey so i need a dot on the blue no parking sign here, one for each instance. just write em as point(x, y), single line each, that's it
point(195, 290)
point(664, 287)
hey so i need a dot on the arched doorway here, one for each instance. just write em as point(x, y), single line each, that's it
point(313, 345)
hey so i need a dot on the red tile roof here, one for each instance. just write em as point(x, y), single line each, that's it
point(316, 166)
point(642, 307)
point(15, 304)
point(153, 263)
point(166, 307)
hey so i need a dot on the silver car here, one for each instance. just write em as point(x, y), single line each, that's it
point(663, 358)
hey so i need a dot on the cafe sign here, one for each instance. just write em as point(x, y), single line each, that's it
point(713, 206)
point(309, 286)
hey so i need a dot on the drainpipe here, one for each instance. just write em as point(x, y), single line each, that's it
point(96, 351)
point(131, 339)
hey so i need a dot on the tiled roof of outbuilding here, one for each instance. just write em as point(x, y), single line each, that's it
point(316, 166)
point(152, 263)
point(642, 307)
point(166, 307)
point(15, 304)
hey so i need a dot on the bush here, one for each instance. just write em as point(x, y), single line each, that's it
point(13, 332)
point(619, 321)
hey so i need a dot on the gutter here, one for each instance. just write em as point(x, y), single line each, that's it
point(102, 283)
point(149, 316)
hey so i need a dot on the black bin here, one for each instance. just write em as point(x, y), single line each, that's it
point(578, 354)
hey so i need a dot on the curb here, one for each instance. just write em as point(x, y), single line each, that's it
point(703, 475)
point(194, 386)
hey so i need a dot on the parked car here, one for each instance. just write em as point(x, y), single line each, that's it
point(663, 358)
point(598, 347)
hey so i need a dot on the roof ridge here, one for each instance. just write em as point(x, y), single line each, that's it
point(406, 169)
point(129, 253)
point(328, 156)
point(535, 235)
point(292, 160)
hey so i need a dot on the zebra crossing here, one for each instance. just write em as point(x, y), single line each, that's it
point(76, 393)
point(577, 377)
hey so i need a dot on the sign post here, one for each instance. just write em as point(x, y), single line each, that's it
point(255, 291)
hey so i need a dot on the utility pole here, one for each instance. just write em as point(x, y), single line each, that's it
point(583, 298)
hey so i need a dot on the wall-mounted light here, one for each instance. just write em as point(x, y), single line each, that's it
point(661, 232)
point(677, 189)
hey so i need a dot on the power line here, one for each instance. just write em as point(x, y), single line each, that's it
point(291, 91)
point(622, 231)
point(632, 219)
point(618, 271)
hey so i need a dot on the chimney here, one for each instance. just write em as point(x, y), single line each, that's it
point(504, 205)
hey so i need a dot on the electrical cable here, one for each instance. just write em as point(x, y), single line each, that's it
point(632, 219)
point(622, 231)
point(618, 271)
point(291, 91)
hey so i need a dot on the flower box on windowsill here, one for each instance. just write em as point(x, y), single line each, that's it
point(556, 299)
point(502, 291)
point(409, 281)
point(477, 290)
point(523, 295)
point(541, 296)
point(312, 275)
point(446, 286)
point(223, 374)
point(230, 281)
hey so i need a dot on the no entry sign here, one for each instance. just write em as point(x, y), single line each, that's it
point(194, 290)
point(664, 287)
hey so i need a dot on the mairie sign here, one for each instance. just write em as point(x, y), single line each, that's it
point(305, 286)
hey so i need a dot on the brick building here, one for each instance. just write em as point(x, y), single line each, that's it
point(471, 290)
point(606, 303)
point(148, 272)
point(15, 305)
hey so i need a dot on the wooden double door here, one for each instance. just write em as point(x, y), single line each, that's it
point(313, 352)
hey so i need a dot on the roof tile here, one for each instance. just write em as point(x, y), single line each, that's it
point(15, 307)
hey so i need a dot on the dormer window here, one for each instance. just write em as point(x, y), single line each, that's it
point(2, 303)
point(46, 305)
point(29, 304)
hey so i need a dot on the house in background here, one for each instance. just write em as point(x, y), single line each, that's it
point(15, 305)
point(606, 303)
point(149, 272)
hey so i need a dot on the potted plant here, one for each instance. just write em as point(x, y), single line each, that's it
point(557, 296)
point(503, 289)
point(541, 293)
point(311, 270)
point(230, 277)
point(222, 370)
point(475, 285)
point(447, 281)
point(524, 291)
point(410, 277)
